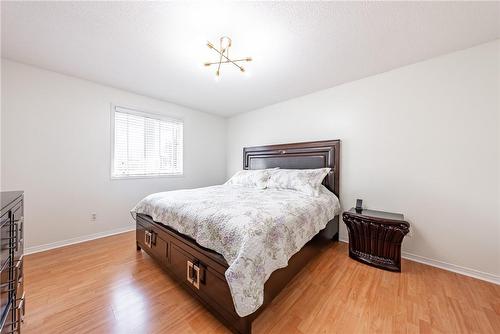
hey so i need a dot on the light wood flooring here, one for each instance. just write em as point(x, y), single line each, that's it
point(106, 286)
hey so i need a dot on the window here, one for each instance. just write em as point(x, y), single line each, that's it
point(145, 144)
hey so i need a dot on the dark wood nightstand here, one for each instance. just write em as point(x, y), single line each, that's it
point(375, 237)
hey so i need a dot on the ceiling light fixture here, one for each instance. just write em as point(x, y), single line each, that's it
point(223, 52)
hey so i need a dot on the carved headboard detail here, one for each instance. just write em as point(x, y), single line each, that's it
point(316, 154)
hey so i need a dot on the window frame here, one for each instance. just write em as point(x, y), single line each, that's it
point(154, 115)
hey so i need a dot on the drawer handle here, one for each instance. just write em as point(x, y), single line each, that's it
point(148, 236)
point(18, 268)
point(153, 238)
point(193, 274)
point(18, 225)
point(21, 308)
point(21, 229)
point(16, 237)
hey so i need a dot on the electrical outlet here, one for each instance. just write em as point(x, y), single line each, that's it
point(410, 233)
point(93, 217)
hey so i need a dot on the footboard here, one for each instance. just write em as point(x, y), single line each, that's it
point(201, 271)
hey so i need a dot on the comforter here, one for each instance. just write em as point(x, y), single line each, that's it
point(256, 230)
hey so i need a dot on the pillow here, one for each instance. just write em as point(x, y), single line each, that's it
point(307, 181)
point(256, 178)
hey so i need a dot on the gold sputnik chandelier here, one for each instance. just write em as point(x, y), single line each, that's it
point(223, 54)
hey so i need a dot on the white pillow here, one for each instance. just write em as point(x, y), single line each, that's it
point(307, 181)
point(256, 178)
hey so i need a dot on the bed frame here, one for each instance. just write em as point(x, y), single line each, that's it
point(201, 271)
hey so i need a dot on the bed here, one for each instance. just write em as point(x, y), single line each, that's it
point(196, 261)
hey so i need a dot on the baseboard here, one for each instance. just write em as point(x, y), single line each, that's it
point(448, 266)
point(77, 240)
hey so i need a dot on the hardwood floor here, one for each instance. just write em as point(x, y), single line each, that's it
point(106, 286)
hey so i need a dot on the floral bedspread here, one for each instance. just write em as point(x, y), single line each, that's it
point(256, 230)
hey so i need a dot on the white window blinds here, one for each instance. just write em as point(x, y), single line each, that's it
point(146, 144)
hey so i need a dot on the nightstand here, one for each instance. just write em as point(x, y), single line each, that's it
point(375, 237)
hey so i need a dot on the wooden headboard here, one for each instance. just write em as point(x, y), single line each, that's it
point(315, 154)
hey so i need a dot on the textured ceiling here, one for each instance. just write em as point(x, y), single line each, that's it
point(158, 48)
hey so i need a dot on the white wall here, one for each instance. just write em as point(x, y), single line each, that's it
point(56, 147)
point(422, 140)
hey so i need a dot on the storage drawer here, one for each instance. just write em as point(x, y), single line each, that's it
point(150, 241)
point(5, 239)
point(216, 288)
point(16, 316)
point(8, 323)
point(6, 285)
point(19, 312)
point(179, 261)
point(200, 277)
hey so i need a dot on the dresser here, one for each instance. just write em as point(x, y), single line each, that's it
point(12, 250)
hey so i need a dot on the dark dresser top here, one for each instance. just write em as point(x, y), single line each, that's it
point(378, 215)
point(7, 197)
